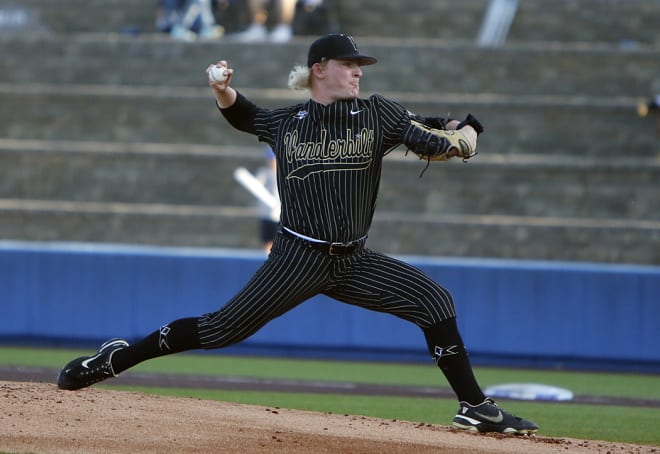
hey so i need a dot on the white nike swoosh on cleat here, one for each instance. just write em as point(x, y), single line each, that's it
point(86, 362)
point(496, 419)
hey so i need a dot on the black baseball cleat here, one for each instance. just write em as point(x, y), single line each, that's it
point(488, 417)
point(87, 370)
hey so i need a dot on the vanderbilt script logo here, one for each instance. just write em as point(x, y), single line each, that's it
point(350, 153)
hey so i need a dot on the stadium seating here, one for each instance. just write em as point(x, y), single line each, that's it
point(108, 131)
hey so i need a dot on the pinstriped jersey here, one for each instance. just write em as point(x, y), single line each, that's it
point(329, 159)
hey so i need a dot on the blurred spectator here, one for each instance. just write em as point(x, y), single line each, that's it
point(316, 17)
point(188, 20)
point(258, 31)
point(652, 105)
point(269, 216)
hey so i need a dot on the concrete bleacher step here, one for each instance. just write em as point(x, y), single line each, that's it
point(424, 66)
point(536, 20)
point(534, 125)
point(510, 237)
point(202, 175)
point(111, 136)
point(518, 237)
point(624, 22)
point(136, 88)
point(107, 222)
point(566, 20)
point(185, 174)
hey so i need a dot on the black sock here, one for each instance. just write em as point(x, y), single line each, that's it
point(178, 336)
point(447, 350)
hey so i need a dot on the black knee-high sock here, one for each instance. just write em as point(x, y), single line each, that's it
point(178, 336)
point(447, 350)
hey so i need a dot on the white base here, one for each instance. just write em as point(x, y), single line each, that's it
point(528, 391)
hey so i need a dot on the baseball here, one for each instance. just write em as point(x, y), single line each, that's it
point(217, 73)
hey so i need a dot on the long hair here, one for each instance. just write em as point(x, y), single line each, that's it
point(299, 78)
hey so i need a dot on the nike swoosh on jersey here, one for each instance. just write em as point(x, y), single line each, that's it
point(355, 112)
point(496, 419)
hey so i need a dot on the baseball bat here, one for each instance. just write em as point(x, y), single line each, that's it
point(256, 188)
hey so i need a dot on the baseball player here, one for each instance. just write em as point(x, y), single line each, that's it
point(329, 153)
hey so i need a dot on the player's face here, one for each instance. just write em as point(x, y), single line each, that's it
point(342, 79)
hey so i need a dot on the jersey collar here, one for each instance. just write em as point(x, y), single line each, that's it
point(318, 111)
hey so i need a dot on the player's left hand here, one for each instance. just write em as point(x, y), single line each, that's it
point(471, 128)
point(441, 144)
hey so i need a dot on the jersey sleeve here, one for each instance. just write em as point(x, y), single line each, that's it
point(432, 122)
point(246, 116)
point(395, 119)
point(241, 114)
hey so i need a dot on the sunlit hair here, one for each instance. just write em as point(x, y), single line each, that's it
point(299, 78)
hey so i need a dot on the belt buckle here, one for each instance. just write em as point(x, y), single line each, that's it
point(339, 245)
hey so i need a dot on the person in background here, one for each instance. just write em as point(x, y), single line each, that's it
point(257, 31)
point(651, 107)
point(188, 20)
point(269, 216)
point(314, 17)
point(647, 106)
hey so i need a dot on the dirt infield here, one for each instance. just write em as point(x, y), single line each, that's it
point(39, 418)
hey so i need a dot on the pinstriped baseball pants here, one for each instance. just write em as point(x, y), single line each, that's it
point(295, 272)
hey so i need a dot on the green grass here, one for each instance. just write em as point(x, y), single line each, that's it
point(606, 384)
point(612, 423)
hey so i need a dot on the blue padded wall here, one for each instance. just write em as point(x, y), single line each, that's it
point(525, 313)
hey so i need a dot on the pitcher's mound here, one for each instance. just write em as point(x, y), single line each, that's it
point(39, 418)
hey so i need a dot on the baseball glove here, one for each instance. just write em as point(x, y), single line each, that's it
point(440, 144)
point(433, 144)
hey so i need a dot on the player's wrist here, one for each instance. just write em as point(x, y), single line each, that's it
point(472, 121)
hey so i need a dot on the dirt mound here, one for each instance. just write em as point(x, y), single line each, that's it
point(39, 418)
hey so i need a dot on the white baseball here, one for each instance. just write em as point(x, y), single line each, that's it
point(217, 73)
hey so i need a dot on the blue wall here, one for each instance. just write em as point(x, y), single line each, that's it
point(545, 314)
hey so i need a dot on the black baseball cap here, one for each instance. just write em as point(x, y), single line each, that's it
point(336, 46)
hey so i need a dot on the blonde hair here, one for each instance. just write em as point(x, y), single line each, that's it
point(299, 78)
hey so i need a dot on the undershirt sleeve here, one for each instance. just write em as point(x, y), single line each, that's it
point(241, 114)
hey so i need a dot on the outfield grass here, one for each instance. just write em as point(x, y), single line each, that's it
point(614, 423)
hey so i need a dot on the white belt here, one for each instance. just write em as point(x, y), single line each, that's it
point(314, 240)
